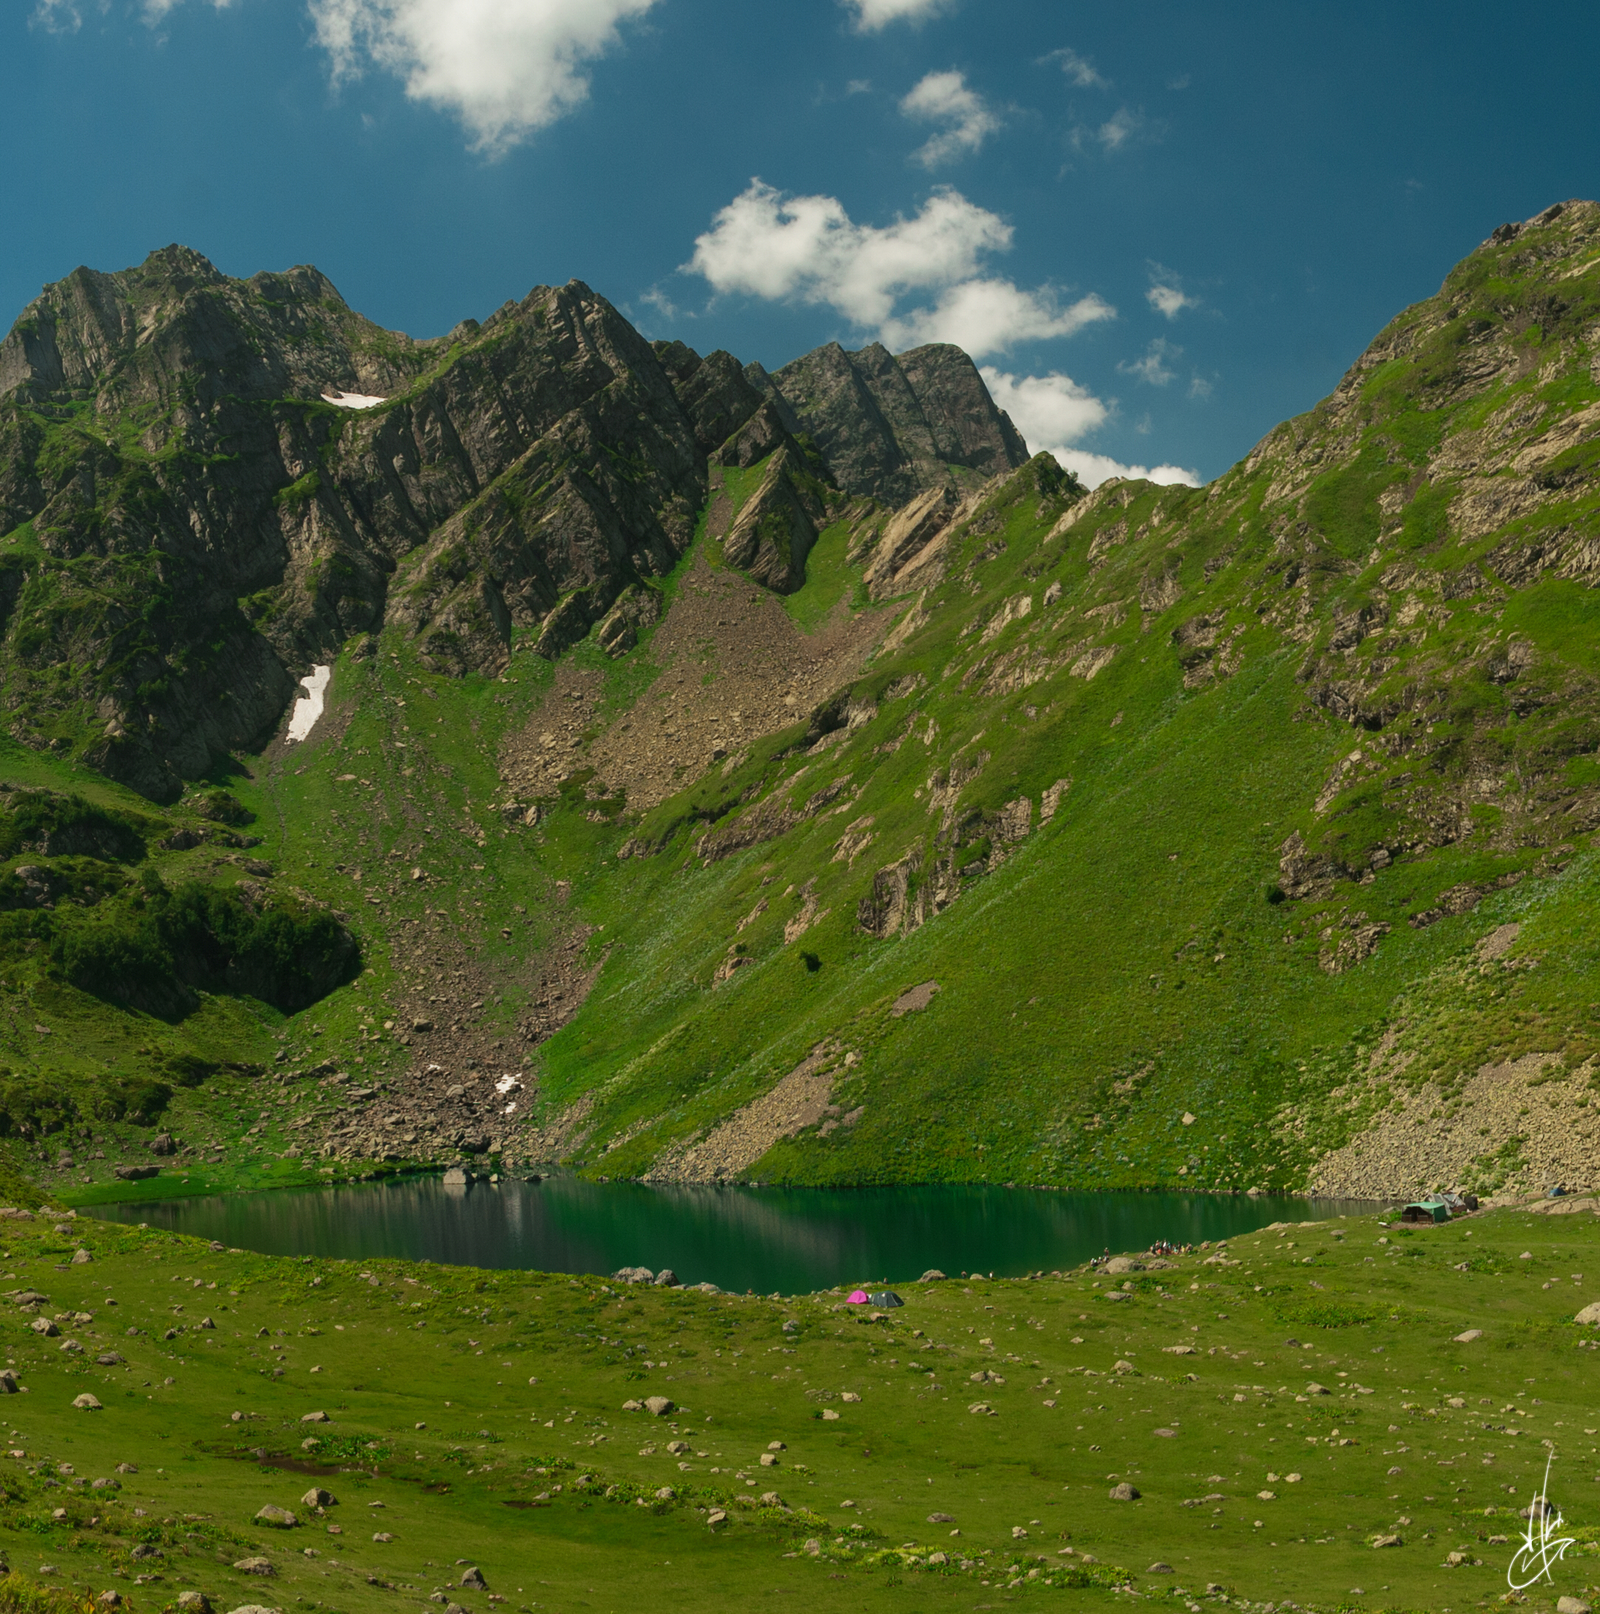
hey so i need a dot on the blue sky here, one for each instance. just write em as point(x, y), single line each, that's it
point(1161, 228)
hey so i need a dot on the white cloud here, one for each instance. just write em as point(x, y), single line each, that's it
point(504, 67)
point(807, 249)
point(1119, 128)
point(873, 15)
point(1078, 69)
point(1169, 300)
point(988, 316)
point(56, 17)
point(1053, 412)
point(1153, 367)
point(943, 98)
point(1093, 469)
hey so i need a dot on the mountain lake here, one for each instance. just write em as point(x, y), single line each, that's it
point(767, 1240)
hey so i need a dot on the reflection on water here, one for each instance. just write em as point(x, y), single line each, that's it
point(766, 1239)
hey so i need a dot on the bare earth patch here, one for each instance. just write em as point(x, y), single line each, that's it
point(799, 1100)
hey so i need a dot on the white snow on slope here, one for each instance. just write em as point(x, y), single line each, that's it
point(309, 707)
point(351, 400)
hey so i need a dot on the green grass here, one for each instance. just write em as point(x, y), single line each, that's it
point(484, 1411)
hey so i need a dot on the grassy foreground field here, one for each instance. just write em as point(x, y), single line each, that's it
point(1279, 1405)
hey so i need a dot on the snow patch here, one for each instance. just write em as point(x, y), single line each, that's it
point(351, 400)
point(309, 707)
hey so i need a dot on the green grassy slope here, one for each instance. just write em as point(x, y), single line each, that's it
point(1308, 735)
point(1279, 1406)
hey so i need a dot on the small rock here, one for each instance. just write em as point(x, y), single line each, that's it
point(666, 1278)
point(1318, 1389)
point(255, 1566)
point(941, 1518)
point(932, 1275)
point(80, 1257)
point(1571, 1605)
point(658, 1406)
point(254, 1608)
point(715, 1517)
point(1388, 1541)
point(633, 1406)
point(43, 1325)
point(8, 1381)
point(1589, 1314)
point(769, 1460)
point(194, 1603)
point(1124, 1493)
point(1477, 1333)
point(86, 1402)
point(276, 1518)
point(777, 1445)
point(382, 1535)
point(771, 1499)
point(679, 1448)
point(316, 1497)
point(666, 1493)
point(1123, 1367)
point(939, 1558)
point(473, 1577)
point(1159, 1568)
point(109, 1599)
point(1122, 1263)
point(315, 1417)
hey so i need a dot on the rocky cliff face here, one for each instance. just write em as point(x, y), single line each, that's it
point(196, 514)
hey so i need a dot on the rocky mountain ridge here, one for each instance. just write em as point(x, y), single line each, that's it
point(195, 517)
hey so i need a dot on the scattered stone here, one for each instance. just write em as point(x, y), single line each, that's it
point(658, 1406)
point(194, 1603)
point(932, 1275)
point(666, 1278)
point(109, 1599)
point(769, 1459)
point(382, 1535)
point(715, 1517)
point(275, 1517)
point(633, 1406)
point(679, 1448)
point(316, 1497)
point(315, 1417)
point(1318, 1389)
point(771, 1499)
point(254, 1566)
point(1124, 1492)
point(1571, 1605)
point(8, 1381)
point(1118, 1264)
point(43, 1325)
point(86, 1402)
point(1123, 1367)
point(1159, 1568)
point(665, 1493)
point(80, 1257)
point(1589, 1314)
point(634, 1275)
point(1477, 1333)
point(1388, 1541)
point(254, 1608)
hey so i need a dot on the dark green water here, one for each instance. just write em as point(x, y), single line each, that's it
point(766, 1239)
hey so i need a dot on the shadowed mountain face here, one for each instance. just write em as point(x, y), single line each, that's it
point(193, 524)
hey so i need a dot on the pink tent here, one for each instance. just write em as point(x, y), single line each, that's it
point(856, 1297)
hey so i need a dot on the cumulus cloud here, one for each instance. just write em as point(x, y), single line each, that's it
point(503, 67)
point(966, 120)
point(1169, 300)
point(1119, 129)
point(1053, 412)
point(56, 17)
point(873, 15)
point(989, 316)
point(1154, 366)
point(1093, 469)
point(807, 249)
point(1078, 69)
